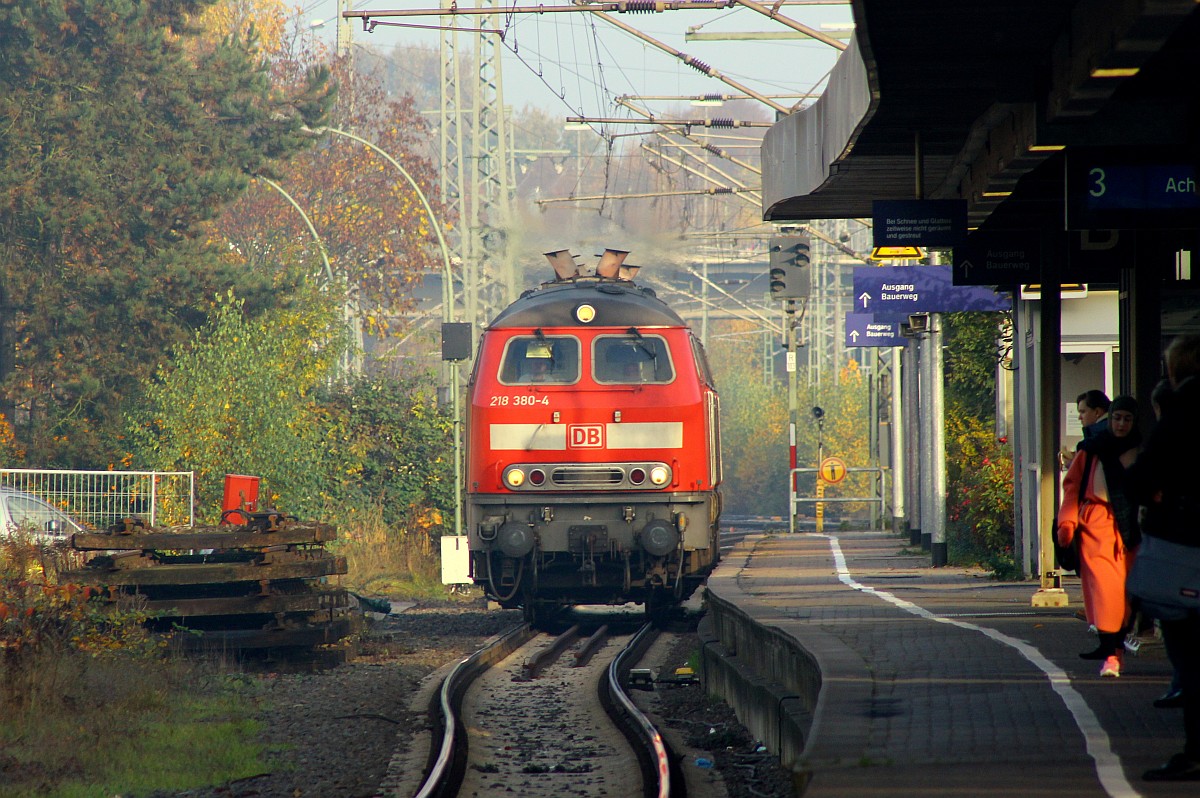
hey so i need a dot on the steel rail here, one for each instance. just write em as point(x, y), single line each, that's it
point(444, 775)
point(589, 646)
point(534, 665)
point(450, 698)
point(638, 724)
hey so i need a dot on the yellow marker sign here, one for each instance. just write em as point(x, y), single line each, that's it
point(897, 253)
point(833, 470)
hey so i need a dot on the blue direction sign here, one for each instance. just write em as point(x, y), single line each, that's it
point(1122, 188)
point(895, 291)
point(863, 329)
point(919, 223)
point(1008, 259)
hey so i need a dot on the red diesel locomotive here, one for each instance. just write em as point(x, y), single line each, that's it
point(593, 447)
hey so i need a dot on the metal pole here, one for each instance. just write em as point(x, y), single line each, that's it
point(307, 221)
point(926, 380)
point(912, 419)
point(820, 511)
point(897, 442)
point(456, 403)
point(938, 550)
point(872, 419)
point(342, 43)
point(1050, 593)
point(790, 333)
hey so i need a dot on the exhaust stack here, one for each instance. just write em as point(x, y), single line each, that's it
point(563, 263)
point(610, 262)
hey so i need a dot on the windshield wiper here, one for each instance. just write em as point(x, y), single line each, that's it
point(641, 344)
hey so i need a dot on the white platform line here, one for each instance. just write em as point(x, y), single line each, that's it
point(1108, 764)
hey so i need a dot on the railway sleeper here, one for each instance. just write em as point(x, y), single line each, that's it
point(230, 588)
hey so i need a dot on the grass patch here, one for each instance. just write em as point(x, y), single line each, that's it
point(93, 705)
point(124, 725)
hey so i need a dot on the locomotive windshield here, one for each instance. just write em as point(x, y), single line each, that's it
point(533, 359)
point(632, 359)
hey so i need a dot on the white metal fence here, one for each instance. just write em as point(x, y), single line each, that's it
point(879, 477)
point(98, 499)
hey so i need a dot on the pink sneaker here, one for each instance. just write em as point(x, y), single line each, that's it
point(1111, 666)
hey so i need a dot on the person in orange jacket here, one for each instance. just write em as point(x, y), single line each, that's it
point(1094, 507)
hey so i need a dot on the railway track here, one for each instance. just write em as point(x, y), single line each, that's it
point(549, 716)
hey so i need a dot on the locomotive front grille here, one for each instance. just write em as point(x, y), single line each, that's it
point(530, 477)
point(587, 476)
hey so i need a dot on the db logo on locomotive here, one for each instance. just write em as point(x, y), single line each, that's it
point(585, 436)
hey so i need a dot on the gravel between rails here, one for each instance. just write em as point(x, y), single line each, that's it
point(338, 732)
point(547, 738)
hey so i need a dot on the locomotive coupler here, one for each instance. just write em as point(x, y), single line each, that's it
point(656, 575)
point(587, 572)
point(508, 571)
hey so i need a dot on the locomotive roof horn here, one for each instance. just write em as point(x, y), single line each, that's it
point(628, 272)
point(563, 262)
point(610, 262)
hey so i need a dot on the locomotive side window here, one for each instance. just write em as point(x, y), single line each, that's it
point(702, 362)
point(536, 359)
point(631, 359)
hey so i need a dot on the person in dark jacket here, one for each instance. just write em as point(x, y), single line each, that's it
point(1163, 482)
point(1173, 697)
point(1092, 407)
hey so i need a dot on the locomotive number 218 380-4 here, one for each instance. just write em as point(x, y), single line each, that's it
point(520, 400)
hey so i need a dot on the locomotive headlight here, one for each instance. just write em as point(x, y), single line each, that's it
point(585, 313)
point(514, 477)
point(660, 475)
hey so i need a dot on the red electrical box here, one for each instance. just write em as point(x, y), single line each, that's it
point(241, 497)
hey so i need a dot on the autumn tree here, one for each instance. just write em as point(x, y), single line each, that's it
point(754, 423)
point(245, 396)
point(267, 21)
point(118, 141)
point(400, 445)
point(372, 224)
point(979, 466)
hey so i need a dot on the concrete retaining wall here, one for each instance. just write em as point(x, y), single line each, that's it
point(768, 679)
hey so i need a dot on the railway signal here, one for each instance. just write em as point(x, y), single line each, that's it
point(790, 277)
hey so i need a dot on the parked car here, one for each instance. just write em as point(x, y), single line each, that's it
point(21, 510)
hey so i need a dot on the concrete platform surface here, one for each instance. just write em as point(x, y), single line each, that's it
point(938, 681)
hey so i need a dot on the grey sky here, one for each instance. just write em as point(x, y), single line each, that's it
point(577, 63)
